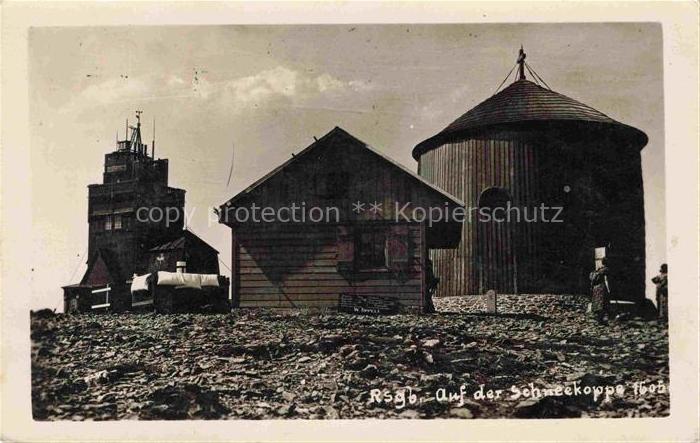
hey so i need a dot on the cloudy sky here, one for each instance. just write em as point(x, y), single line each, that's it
point(268, 90)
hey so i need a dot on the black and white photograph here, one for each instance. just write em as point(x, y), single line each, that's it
point(346, 221)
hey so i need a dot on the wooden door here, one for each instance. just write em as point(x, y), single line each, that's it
point(496, 246)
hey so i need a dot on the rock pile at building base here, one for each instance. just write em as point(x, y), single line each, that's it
point(262, 364)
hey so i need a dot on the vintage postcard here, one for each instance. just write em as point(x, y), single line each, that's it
point(328, 224)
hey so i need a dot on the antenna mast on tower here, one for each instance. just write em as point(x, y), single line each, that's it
point(153, 143)
point(135, 142)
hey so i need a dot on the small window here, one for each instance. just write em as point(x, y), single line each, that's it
point(108, 223)
point(493, 198)
point(117, 222)
point(371, 248)
point(100, 298)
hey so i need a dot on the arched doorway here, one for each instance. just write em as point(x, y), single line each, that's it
point(496, 243)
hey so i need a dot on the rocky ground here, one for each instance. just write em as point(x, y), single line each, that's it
point(261, 364)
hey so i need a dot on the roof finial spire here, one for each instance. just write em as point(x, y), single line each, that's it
point(153, 143)
point(521, 63)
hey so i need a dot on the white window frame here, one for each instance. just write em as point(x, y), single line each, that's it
point(103, 305)
point(116, 222)
point(108, 223)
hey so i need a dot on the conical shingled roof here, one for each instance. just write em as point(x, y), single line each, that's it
point(524, 101)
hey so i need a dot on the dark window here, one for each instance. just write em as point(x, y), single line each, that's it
point(371, 248)
point(493, 198)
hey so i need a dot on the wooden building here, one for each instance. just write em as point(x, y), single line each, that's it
point(199, 256)
point(348, 237)
point(529, 146)
point(134, 219)
point(184, 254)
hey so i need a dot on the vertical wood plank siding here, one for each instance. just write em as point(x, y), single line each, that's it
point(465, 169)
point(368, 179)
point(604, 205)
point(549, 153)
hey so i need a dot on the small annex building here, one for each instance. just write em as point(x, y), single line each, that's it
point(338, 218)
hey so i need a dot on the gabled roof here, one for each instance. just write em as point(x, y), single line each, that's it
point(100, 258)
point(183, 240)
point(525, 101)
point(339, 132)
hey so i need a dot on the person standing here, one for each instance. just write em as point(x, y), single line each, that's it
point(431, 286)
point(661, 282)
point(600, 292)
